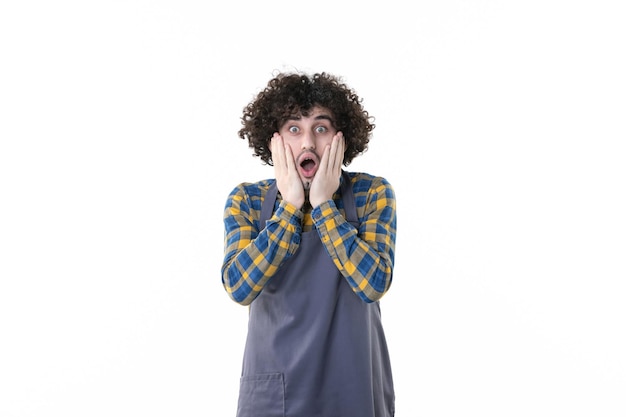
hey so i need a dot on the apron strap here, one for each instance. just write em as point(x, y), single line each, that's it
point(349, 205)
point(268, 205)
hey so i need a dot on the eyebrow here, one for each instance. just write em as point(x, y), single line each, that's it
point(324, 117)
point(319, 117)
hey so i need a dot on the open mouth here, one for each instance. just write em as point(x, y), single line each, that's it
point(308, 166)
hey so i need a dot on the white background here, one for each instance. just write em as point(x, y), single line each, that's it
point(500, 124)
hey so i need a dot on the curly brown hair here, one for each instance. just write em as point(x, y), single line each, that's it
point(289, 94)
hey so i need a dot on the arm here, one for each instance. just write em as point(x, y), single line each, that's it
point(251, 257)
point(365, 256)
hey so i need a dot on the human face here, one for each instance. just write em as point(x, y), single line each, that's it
point(307, 137)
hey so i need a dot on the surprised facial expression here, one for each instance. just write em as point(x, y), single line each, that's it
point(307, 137)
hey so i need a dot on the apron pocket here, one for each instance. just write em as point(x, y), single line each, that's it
point(261, 395)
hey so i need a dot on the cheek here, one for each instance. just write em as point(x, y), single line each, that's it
point(293, 147)
point(326, 141)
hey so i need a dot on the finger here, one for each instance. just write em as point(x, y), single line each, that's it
point(337, 153)
point(324, 162)
point(342, 153)
point(273, 140)
point(290, 162)
point(278, 151)
point(332, 155)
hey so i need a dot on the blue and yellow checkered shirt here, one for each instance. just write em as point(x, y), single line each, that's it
point(364, 256)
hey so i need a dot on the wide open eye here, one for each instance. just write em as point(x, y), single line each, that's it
point(293, 129)
point(321, 129)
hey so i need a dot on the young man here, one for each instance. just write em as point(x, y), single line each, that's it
point(312, 253)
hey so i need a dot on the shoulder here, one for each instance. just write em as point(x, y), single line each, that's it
point(373, 196)
point(363, 182)
point(251, 189)
point(248, 196)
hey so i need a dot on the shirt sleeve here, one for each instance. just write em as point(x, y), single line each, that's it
point(364, 256)
point(251, 257)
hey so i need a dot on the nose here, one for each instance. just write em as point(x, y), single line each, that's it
point(308, 141)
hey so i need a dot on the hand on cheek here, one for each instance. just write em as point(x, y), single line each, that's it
point(287, 177)
point(326, 180)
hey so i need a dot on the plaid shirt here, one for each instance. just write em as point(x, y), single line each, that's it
point(364, 256)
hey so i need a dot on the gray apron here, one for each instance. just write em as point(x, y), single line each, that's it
point(314, 348)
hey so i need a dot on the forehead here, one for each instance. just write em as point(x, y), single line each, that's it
point(314, 113)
